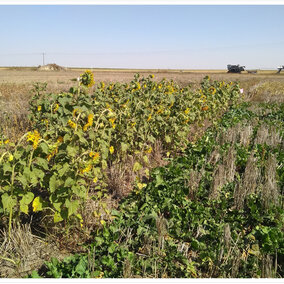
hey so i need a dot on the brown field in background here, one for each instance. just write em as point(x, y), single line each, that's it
point(27, 75)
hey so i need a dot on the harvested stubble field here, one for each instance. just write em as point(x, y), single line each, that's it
point(187, 182)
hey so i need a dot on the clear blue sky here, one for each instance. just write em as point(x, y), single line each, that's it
point(190, 37)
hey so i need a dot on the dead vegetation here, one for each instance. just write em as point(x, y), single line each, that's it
point(269, 192)
point(249, 183)
point(24, 252)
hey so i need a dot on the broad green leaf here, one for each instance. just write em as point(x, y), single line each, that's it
point(7, 168)
point(104, 164)
point(146, 160)
point(42, 162)
point(44, 147)
point(9, 202)
point(72, 151)
point(80, 191)
point(105, 151)
point(112, 248)
point(27, 174)
point(22, 179)
point(63, 170)
point(69, 182)
point(33, 177)
point(66, 138)
point(147, 173)
point(25, 201)
point(57, 206)
point(72, 206)
point(52, 183)
point(18, 154)
point(57, 217)
point(24, 208)
point(159, 180)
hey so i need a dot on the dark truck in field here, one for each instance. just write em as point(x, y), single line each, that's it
point(280, 68)
point(235, 68)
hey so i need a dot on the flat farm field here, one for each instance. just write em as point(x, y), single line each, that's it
point(117, 173)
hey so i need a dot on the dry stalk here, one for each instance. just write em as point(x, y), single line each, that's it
point(223, 173)
point(162, 228)
point(236, 264)
point(219, 180)
point(245, 135)
point(227, 236)
point(230, 164)
point(269, 192)
point(215, 156)
point(251, 175)
point(267, 270)
point(127, 269)
point(274, 138)
point(239, 196)
point(249, 183)
point(231, 136)
point(121, 178)
point(193, 182)
point(262, 135)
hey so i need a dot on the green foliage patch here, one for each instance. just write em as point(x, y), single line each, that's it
point(190, 221)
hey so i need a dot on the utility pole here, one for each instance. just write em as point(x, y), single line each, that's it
point(43, 58)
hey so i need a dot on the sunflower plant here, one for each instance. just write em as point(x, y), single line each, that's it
point(77, 137)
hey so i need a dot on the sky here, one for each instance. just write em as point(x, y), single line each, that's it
point(141, 36)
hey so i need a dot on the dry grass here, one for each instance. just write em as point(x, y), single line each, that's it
point(219, 180)
point(14, 109)
point(240, 133)
point(269, 192)
point(245, 135)
point(24, 252)
point(269, 135)
point(249, 183)
point(269, 91)
point(230, 164)
point(96, 211)
point(223, 172)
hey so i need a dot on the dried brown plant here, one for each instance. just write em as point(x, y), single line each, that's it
point(245, 135)
point(251, 177)
point(270, 192)
point(219, 180)
point(229, 162)
point(23, 252)
point(193, 182)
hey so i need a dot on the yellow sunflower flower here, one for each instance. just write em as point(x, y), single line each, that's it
point(72, 124)
point(149, 150)
point(56, 108)
point(34, 138)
